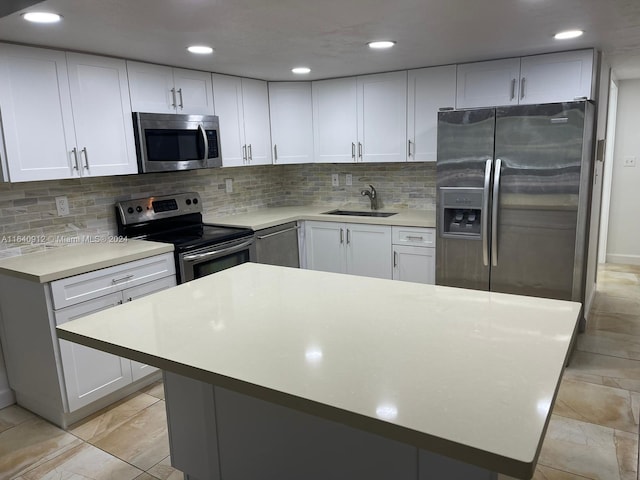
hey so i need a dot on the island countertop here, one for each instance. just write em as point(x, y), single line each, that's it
point(468, 374)
point(80, 258)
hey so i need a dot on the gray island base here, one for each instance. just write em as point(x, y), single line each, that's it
point(282, 373)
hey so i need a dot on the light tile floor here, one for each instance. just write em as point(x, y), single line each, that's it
point(593, 433)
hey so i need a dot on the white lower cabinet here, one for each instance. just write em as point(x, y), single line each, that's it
point(354, 248)
point(414, 254)
point(63, 381)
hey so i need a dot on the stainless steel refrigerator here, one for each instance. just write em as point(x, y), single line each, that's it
point(513, 198)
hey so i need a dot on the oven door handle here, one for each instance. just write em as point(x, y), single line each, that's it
point(200, 256)
point(204, 139)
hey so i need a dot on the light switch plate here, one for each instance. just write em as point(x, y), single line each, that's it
point(335, 182)
point(228, 185)
point(629, 161)
point(348, 179)
point(62, 206)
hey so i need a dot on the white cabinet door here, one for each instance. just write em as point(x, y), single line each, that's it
point(102, 115)
point(227, 94)
point(325, 246)
point(194, 92)
point(487, 84)
point(382, 117)
point(429, 90)
point(335, 120)
point(369, 250)
point(151, 87)
point(140, 370)
point(37, 120)
point(414, 264)
point(255, 102)
point(291, 113)
point(556, 77)
point(90, 374)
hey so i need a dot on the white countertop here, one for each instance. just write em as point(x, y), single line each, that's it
point(465, 373)
point(269, 217)
point(65, 262)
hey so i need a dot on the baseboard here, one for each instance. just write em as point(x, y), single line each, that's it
point(7, 397)
point(623, 259)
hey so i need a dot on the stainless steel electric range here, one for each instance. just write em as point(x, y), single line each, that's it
point(200, 249)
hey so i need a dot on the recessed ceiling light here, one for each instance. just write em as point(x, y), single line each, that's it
point(568, 34)
point(200, 49)
point(381, 44)
point(301, 70)
point(42, 17)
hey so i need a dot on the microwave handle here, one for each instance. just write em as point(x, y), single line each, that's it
point(205, 140)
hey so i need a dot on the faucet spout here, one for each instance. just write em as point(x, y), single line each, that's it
point(373, 196)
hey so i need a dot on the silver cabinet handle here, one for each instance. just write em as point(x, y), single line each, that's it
point(173, 95)
point(205, 140)
point(275, 153)
point(513, 89)
point(250, 153)
point(341, 236)
point(86, 158)
point(522, 83)
point(395, 259)
point(485, 214)
point(279, 232)
point(129, 299)
point(126, 278)
point(119, 302)
point(244, 153)
point(414, 237)
point(494, 216)
point(409, 152)
point(181, 104)
point(74, 150)
point(360, 151)
point(348, 236)
point(353, 151)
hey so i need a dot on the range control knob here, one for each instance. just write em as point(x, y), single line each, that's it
point(188, 201)
point(195, 201)
point(130, 210)
point(138, 209)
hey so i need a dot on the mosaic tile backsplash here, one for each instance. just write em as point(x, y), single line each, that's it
point(29, 221)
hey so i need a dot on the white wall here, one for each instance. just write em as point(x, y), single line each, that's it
point(623, 240)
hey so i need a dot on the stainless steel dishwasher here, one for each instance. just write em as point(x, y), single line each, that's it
point(278, 245)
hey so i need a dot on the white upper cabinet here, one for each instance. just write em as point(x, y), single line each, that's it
point(64, 115)
point(382, 117)
point(554, 77)
point(100, 98)
point(159, 89)
point(291, 112)
point(485, 84)
point(35, 104)
point(335, 120)
point(430, 89)
point(361, 119)
point(242, 106)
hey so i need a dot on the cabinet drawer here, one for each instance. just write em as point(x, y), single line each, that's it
point(80, 288)
point(419, 237)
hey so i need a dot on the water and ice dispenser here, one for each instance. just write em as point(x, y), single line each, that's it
point(461, 212)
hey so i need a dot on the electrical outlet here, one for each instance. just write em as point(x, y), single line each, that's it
point(228, 185)
point(335, 181)
point(62, 205)
point(348, 179)
point(629, 161)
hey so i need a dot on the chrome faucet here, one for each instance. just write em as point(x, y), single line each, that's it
point(373, 196)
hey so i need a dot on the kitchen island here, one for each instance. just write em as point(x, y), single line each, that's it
point(273, 372)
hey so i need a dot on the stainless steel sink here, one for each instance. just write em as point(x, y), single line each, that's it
point(355, 213)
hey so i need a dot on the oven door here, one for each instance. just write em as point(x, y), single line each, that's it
point(214, 258)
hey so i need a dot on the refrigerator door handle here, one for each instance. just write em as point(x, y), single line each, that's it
point(494, 215)
point(485, 213)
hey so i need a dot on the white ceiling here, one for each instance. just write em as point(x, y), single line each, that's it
point(266, 38)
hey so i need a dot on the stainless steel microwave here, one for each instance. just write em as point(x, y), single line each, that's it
point(170, 142)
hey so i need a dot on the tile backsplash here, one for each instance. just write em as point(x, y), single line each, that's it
point(29, 221)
